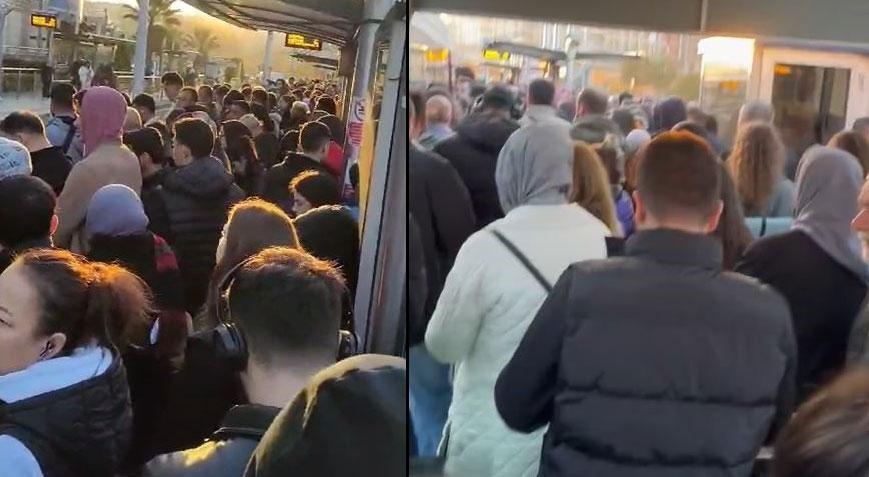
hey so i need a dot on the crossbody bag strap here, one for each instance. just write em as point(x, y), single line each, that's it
point(524, 260)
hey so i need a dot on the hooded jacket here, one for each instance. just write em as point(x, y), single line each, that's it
point(592, 129)
point(197, 198)
point(109, 163)
point(351, 419)
point(88, 389)
point(473, 152)
point(277, 180)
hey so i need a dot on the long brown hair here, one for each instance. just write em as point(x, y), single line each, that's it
point(731, 230)
point(87, 301)
point(757, 164)
point(591, 186)
point(253, 225)
point(854, 143)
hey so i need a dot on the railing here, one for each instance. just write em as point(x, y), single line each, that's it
point(28, 80)
point(16, 76)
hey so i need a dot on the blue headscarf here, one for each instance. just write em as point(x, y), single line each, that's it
point(115, 210)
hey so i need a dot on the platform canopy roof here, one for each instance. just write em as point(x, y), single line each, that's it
point(332, 21)
point(842, 21)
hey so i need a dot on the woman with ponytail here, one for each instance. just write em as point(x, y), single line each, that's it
point(64, 399)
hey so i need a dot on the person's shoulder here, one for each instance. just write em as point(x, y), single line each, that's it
point(773, 245)
point(206, 460)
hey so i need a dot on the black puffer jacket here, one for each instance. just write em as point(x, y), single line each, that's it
point(656, 363)
point(473, 152)
point(80, 430)
point(198, 198)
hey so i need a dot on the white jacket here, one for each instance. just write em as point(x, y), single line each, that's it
point(487, 303)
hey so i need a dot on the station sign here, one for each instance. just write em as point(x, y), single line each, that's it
point(294, 40)
point(437, 55)
point(43, 20)
point(495, 55)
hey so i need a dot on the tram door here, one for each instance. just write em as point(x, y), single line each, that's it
point(815, 94)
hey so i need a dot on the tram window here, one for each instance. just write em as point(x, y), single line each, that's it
point(810, 103)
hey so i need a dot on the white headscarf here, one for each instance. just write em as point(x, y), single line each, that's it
point(534, 167)
point(828, 183)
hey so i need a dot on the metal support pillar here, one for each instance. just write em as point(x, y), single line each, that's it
point(140, 55)
point(267, 59)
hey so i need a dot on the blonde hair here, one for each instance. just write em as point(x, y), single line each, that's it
point(591, 186)
point(757, 163)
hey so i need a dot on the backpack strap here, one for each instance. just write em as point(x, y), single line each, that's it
point(535, 272)
point(762, 227)
point(70, 134)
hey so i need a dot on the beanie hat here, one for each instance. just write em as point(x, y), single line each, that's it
point(317, 188)
point(115, 210)
point(14, 159)
point(637, 139)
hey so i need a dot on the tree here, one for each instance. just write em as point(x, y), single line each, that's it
point(203, 41)
point(163, 18)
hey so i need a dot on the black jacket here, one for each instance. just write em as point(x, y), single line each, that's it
point(81, 430)
point(267, 145)
point(198, 198)
point(473, 151)
point(7, 255)
point(655, 360)
point(277, 181)
point(225, 453)
point(52, 166)
point(417, 285)
point(154, 204)
point(351, 419)
point(442, 209)
point(824, 299)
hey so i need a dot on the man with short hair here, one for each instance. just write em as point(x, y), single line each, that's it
point(286, 305)
point(62, 130)
point(473, 150)
point(591, 125)
point(314, 141)
point(172, 84)
point(706, 359)
point(147, 108)
point(236, 110)
point(438, 115)
point(187, 98)
point(198, 194)
point(31, 222)
point(49, 162)
point(540, 107)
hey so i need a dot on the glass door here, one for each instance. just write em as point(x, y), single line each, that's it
point(810, 104)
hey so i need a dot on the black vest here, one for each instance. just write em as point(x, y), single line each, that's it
point(79, 431)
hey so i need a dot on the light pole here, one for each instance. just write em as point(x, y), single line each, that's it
point(5, 10)
point(140, 56)
point(267, 60)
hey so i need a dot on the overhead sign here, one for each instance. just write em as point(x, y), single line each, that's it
point(43, 20)
point(437, 55)
point(495, 55)
point(294, 40)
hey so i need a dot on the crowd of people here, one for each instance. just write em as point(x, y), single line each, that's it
point(177, 290)
point(605, 287)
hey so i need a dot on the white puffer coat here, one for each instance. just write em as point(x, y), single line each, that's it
point(487, 304)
